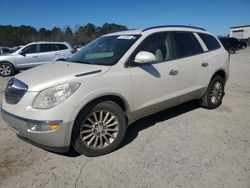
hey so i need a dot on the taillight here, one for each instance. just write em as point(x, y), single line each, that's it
point(74, 51)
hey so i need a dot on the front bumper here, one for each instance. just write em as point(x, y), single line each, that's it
point(57, 140)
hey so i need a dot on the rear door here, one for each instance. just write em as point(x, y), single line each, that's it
point(189, 57)
point(63, 51)
point(214, 58)
point(47, 53)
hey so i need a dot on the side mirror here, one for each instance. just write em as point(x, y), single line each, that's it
point(22, 53)
point(144, 57)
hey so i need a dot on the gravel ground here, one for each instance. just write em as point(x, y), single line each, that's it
point(185, 146)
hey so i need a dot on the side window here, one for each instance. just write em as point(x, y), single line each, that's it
point(30, 49)
point(210, 41)
point(61, 46)
point(186, 44)
point(159, 44)
point(47, 47)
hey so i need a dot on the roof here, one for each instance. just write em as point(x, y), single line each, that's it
point(235, 27)
point(127, 32)
point(179, 26)
point(46, 42)
point(137, 32)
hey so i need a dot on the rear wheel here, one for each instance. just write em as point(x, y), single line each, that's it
point(6, 69)
point(214, 95)
point(99, 130)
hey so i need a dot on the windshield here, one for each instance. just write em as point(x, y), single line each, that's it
point(104, 50)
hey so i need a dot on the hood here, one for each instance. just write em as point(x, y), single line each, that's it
point(60, 72)
point(8, 55)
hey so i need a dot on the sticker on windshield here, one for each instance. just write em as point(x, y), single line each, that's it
point(126, 37)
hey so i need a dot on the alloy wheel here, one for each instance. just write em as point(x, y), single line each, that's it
point(216, 92)
point(99, 129)
point(5, 70)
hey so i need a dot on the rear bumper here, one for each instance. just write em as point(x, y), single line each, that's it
point(57, 140)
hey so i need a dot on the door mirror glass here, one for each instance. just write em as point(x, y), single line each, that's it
point(144, 57)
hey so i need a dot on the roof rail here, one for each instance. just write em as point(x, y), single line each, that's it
point(184, 26)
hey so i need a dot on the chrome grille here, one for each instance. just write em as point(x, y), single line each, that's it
point(15, 90)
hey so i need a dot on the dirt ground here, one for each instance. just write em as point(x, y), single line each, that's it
point(185, 146)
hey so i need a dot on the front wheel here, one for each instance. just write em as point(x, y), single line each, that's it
point(99, 130)
point(214, 95)
point(6, 69)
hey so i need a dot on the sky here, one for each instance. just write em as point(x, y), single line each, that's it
point(217, 16)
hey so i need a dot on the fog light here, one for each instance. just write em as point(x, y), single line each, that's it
point(42, 127)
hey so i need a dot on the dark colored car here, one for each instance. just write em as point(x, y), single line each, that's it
point(243, 44)
point(6, 50)
point(230, 44)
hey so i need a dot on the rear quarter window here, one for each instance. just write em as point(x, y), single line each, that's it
point(210, 41)
point(47, 48)
point(61, 47)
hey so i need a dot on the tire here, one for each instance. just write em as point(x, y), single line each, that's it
point(231, 51)
point(104, 130)
point(6, 69)
point(214, 95)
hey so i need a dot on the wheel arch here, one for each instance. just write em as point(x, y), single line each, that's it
point(60, 59)
point(221, 73)
point(116, 98)
point(4, 61)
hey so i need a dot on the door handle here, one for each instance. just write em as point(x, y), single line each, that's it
point(204, 64)
point(173, 72)
point(57, 54)
point(34, 56)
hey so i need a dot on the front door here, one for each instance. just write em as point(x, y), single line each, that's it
point(47, 53)
point(154, 85)
point(28, 57)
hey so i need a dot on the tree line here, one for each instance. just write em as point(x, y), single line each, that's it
point(21, 35)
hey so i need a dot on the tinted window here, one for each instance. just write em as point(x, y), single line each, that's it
point(186, 44)
point(7, 50)
point(47, 47)
point(105, 50)
point(61, 46)
point(30, 49)
point(159, 44)
point(210, 41)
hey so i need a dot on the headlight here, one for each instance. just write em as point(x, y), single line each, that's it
point(51, 97)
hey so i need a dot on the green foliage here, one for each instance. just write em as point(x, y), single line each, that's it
point(21, 35)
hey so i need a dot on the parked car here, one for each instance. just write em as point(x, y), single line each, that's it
point(17, 47)
point(78, 47)
point(243, 44)
point(230, 44)
point(33, 54)
point(6, 50)
point(89, 100)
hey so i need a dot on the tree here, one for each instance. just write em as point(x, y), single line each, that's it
point(43, 34)
point(56, 34)
point(69, 35)
point(21, 35)
point(109, 28)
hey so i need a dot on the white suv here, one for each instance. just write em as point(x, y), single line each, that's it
point(89, 101)
point(33, 54)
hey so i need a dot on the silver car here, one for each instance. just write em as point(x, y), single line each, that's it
point(33, 54)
